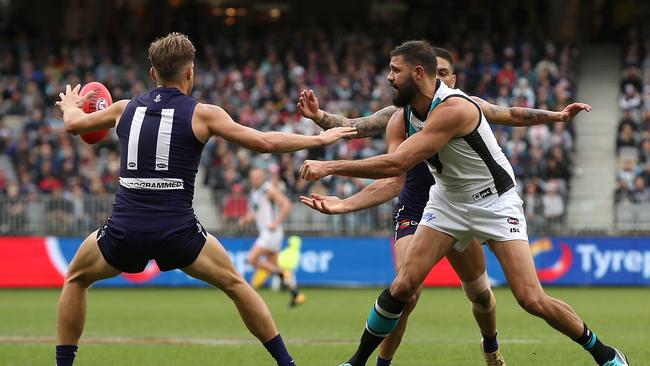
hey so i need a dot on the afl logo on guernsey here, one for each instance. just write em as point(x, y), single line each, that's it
point(157, 98)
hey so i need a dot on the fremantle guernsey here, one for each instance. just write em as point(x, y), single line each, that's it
point(470, 167)
point(159, 161)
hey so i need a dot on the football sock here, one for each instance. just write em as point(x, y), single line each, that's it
point(599, 351)
point(65, 355)
point(490, 344)
point(259, 278)
point(278, 350)
point(382, 361)
point(382, 319)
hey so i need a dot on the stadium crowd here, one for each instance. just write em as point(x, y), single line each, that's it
point(257, 80)
point(633, 138)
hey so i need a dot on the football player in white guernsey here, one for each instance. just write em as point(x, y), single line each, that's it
point(470, 264)
point(268, 207)
point(474, 196)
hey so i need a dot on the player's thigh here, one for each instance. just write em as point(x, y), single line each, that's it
point(258, 251)
point(469, 264)
point(400, 246)
point(89, 265)
point(423, 251)
point(517, 263)
point(213, 265)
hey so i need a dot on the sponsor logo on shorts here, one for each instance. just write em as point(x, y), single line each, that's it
point(428, 216)
point(513, 221)
point(403, 224)
point(482, 194)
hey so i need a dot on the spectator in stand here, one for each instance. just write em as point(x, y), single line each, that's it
point(553, 203)
point(235, 205)
point(631, 99)
point(641, 193)
point(627, 137)
point(623, 193)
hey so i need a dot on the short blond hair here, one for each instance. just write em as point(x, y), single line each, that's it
point(170, 54)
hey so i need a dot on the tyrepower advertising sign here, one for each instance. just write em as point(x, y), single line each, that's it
point(357, 261)
point(583, 261)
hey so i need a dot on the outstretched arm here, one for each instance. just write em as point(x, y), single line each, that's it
point(212, 120)
point(76, 121)
point(366, 126)
point(374, 194)
point(517, 116)
point(443, 123)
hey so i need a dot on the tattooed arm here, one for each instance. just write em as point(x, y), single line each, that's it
point(517, 116)
point(366, 126)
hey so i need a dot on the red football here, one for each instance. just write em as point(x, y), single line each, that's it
point(100, 100)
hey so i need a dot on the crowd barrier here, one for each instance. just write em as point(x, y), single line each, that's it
point(35, 262)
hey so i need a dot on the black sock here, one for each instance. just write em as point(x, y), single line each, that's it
point(295, 292)
point(599, 351)
point(490, 344)
point(65, 355)
point(382, 319)
point(383, 361)
point(278, 350)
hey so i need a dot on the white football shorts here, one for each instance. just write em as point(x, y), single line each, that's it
point(494, 217)
point(271, 240)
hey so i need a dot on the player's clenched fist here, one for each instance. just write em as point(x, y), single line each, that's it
point(314, 169)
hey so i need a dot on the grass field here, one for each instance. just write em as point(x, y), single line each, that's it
point(201, 327)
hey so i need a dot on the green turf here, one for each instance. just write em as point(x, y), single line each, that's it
point(321, 332)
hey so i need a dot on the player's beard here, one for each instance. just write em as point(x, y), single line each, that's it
point(405, 93)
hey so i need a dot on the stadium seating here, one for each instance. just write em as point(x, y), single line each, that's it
point(632, 195)
point(259, 88)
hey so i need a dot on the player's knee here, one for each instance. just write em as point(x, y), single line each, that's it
point(252, 260)
point(533, 303)
point(231, 284)
point(404, 287)
point(480, 294)
point(77, 279)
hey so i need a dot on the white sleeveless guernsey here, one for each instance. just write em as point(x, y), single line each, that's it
point(471, 167)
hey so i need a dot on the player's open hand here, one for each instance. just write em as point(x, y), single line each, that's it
point(330, 205)
point(334, 134)
point(314, 169)
point(572, 109)
point(71, 97)
point(308, 105)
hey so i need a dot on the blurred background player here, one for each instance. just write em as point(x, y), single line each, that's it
point(268, 208)
point(162, 134)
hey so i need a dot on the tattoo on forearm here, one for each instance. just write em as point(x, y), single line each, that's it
point(494, 110)
point(366, 126)
point(375, 124)
point(330, 121)
point(532, 114)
